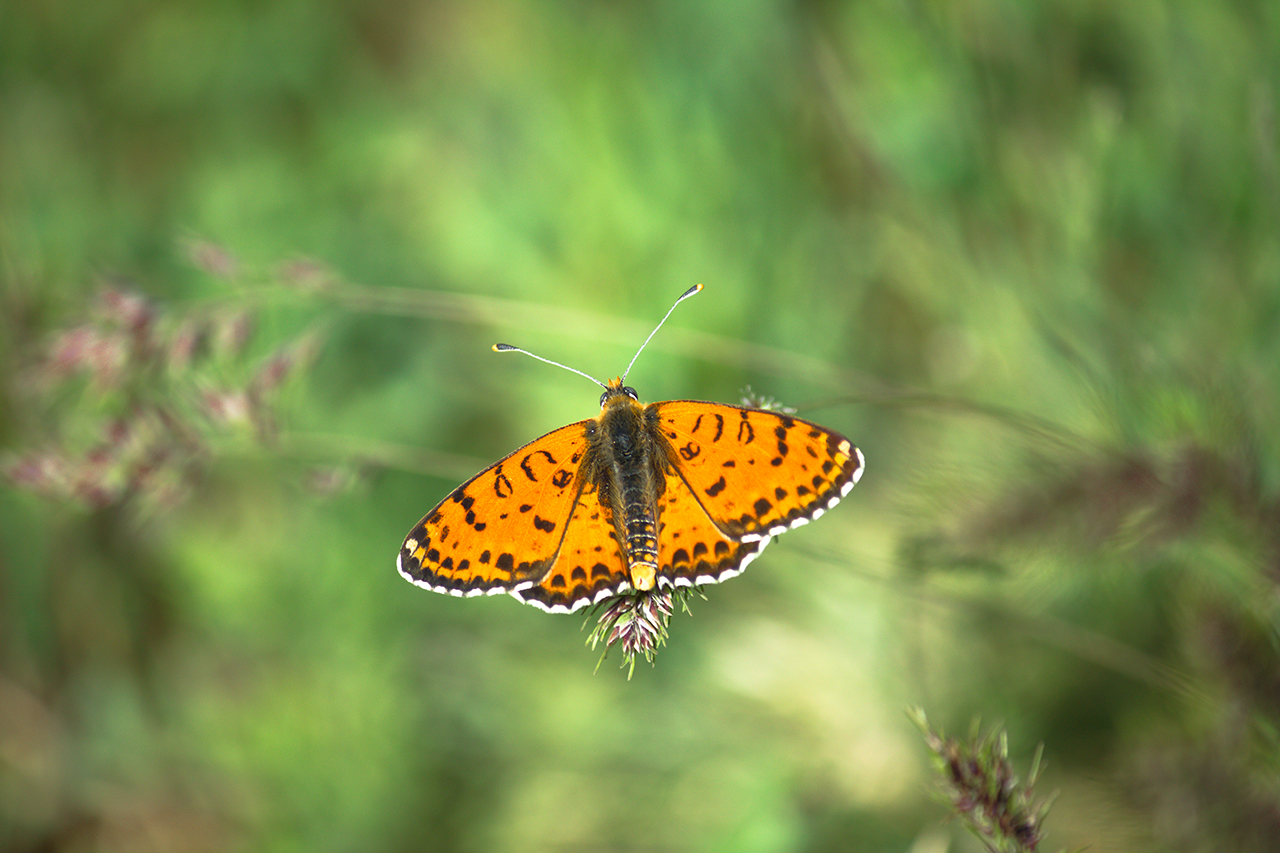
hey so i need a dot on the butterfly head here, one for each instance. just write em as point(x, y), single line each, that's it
point(616, 391)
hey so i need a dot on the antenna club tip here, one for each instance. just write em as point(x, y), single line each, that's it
point(502, 347)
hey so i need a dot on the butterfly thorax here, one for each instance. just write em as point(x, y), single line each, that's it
point(626, 463)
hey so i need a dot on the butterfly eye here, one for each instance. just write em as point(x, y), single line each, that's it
point(631, 392)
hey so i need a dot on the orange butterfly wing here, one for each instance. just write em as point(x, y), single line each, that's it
point(501, 530)
point(742, 476)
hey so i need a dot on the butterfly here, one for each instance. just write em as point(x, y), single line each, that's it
point(669, 494)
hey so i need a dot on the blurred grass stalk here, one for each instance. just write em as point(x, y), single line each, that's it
point(979, 784)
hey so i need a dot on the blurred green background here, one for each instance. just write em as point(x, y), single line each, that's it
point(252, 254)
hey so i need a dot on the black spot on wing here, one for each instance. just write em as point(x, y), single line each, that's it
point(501, 485)
point(526, 464)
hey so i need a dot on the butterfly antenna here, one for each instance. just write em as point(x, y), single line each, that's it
point(682, 298)
point(510, 348)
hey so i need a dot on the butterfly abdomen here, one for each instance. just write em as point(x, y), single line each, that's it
point(640, 529)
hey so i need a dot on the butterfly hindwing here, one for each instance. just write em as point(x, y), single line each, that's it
point(756, 473)
point(691, 548)
point(500, 530)
point(588, 567)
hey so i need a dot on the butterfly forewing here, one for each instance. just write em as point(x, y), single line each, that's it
point(500, 530)
point(756, 473)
